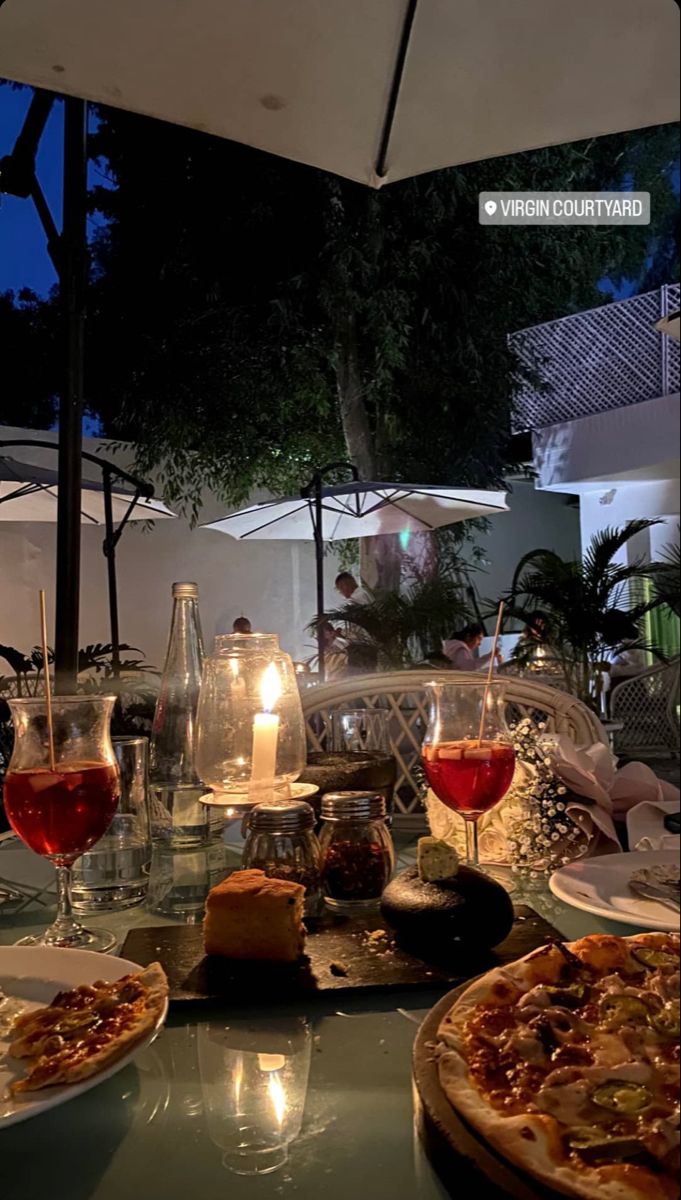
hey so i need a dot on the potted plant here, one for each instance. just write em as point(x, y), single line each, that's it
point(588, 605)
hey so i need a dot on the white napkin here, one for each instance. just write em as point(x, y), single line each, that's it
point(645, 826)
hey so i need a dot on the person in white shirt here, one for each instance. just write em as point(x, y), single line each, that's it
point(460, 650)
point(351, 591)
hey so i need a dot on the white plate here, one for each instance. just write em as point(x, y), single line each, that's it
point(34, 975)
point(601, 886)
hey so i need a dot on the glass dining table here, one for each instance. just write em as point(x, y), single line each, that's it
point(148, 1132)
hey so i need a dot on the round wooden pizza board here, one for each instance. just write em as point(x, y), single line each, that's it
point(464, 1161)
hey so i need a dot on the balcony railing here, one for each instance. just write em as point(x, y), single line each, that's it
point(593, 361)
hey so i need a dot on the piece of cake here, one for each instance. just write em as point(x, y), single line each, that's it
point(249, 916)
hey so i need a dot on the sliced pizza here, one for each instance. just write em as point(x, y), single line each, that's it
point(568, 1063)
point(84, 1030)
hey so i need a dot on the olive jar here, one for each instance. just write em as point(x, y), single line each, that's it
point(281, 841)
point(357, 850)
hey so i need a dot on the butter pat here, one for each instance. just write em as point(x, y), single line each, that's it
point(436, 860)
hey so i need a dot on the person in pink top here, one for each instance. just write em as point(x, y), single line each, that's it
point(461, 650)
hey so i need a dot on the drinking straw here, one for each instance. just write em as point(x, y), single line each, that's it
point(46, 669)
point(490, 673)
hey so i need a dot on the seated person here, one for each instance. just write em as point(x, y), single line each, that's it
point(351, 591)
point(460, 650)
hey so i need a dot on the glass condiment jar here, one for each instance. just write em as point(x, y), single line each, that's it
point(357, 850)
point(281, 841)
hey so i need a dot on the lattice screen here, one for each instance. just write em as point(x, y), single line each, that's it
point(595, 361)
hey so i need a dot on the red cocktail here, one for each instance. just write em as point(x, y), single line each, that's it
point(468, 756)
point(468, 776)
point(61, 793)
point(61, 813)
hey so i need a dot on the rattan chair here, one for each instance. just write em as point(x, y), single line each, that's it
point(401, 694)
point(647, 705)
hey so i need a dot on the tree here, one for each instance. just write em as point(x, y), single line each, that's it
point(252, 318)
point(29, 329)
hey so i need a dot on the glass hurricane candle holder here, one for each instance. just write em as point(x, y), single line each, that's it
point(250, 739)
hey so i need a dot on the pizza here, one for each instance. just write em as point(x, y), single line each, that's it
point(85, 1030)
point(568, 1063)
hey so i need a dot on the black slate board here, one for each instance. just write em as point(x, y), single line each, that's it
point(466, 1164)
point(379, 966)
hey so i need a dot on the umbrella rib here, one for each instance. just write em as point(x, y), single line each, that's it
point(83, 513)
point(274, 521)
point(395, 86)
point(25, 489)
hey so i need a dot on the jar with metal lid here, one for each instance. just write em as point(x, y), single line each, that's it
point(281, 841)
point(357, 850)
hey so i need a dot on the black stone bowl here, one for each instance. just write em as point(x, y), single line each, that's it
point(435, 920)
point(350, 771)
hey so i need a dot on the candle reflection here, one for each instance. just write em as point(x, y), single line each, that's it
point(278, 1097)
point(254, 1084)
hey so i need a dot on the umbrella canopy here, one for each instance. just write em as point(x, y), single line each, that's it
point(29, 493)
point(355, 510)
point(375, 90)
point(671, 325)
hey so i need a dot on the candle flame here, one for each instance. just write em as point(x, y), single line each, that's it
point(270, 688)
point(278, 1098)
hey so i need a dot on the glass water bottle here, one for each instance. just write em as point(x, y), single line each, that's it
point(178, 817)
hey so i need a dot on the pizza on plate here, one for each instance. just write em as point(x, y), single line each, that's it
point(567, 1062)
point(85, 1030)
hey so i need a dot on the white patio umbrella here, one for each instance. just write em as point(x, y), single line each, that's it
point(355, 510)
point(31, 493)
point(376, 90)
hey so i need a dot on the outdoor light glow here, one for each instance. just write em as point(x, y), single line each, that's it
point(405, 538)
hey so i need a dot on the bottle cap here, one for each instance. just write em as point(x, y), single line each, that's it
point(282, 816)
point(185, 591)
point(353, 806)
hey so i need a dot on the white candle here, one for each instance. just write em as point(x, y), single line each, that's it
point(266, 731)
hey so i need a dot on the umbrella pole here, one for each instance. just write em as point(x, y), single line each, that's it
point(110, 555)
point(73, 285)
point(319, 558)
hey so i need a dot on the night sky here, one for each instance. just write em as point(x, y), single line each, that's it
point(24, 261)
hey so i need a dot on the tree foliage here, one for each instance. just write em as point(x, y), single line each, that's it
point(251, 318)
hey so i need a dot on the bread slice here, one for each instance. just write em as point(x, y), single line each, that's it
point(249, 916)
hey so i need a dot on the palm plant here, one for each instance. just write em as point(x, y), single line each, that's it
point(666, 577)
point(406, 628)
point(587, 603)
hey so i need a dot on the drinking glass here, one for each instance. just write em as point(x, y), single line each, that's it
point(61, 794)
point(254, 1086)
point(114, 873)
point(468, 756)
point(357, 729)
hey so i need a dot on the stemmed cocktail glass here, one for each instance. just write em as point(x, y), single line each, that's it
point(60, 795)
point(468, 754)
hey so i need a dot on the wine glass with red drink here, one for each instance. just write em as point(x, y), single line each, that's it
point(468, 756)
point(60, 794)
